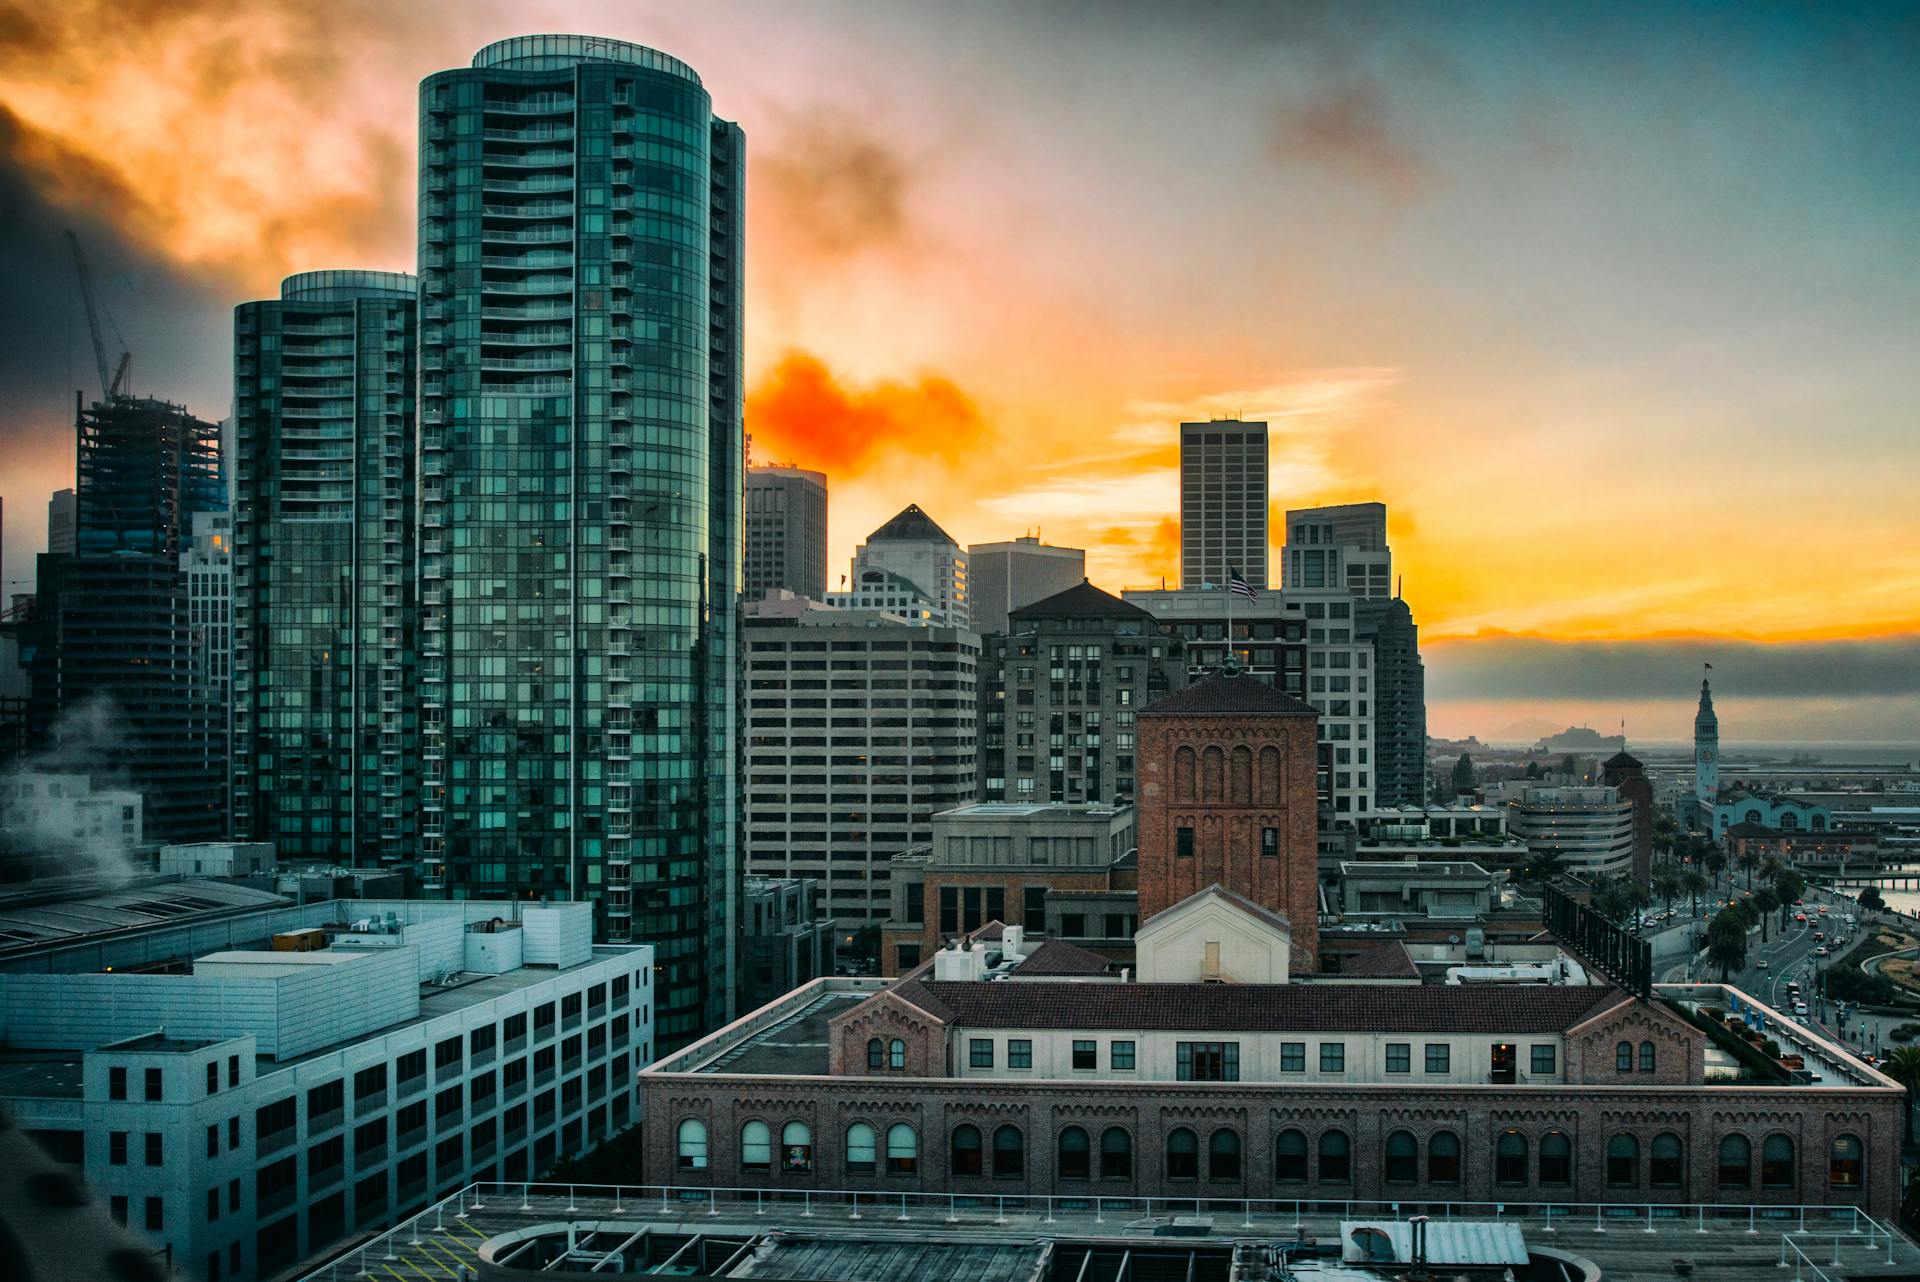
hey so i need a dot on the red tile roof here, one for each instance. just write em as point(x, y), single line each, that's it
point(1260, 1008)
point(1389, 960)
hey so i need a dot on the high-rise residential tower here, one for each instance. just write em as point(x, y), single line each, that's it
point(1223, 502)
point(786, 532)
point(1399, 701)
point(1005, 576)
point(1344, 546)
point(581, 454)
point(325, 724)
point(61, 515)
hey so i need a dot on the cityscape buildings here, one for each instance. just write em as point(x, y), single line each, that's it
point(1706, 758)
point(1223, 503)
point(115, 665)
point(1344, 546)
point(785, 512)
point(1624, 773)
point(289, 1076)
point(911, 567)
point(1399, 700)
point(1059, 693)
point(1591, 829)
point(1005, 576)
point(581, 454)
point(326, 724)
point(62, 521)
point(860, 727)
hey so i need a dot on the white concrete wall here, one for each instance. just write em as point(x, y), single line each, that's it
point(557, 934)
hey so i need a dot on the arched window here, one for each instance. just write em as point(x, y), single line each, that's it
point(1290, 1158)
point(692, 1144)
point(1736, 1162)
point(1443, 1158)
point(1223, 1155)
point(796, 1147)
point(1646, 1057)
point(863, 1149)
point(1789, 821)
point(1623, 1162)
point(1753, 817)
point(1403, 1158)
point(1819, 823)
point(1556, 1158)
point(1240, 777)
point(1336, 1158)
point(896, 1054)
point(1510, 1158)
point(1183, 1155)
point(1623, 1057)
point(903, 1149)
point(1776, 1163)
point(876, 1054)
point(1076, 1158)
point(1666, 1160)
point(1009, 1151)
point(964, 1155)
point(1184, 764)
point(1269, 775)
point(1116, 1154)
point(756, 1147)
point(1213, 770)
point(1845, 1161)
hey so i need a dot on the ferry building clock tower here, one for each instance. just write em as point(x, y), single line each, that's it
point(1706, 756)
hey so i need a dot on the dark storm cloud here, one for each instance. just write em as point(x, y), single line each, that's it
point(834, 185)
point(1536, 668)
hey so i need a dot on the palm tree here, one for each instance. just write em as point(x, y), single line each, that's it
point(1745, 856)
point(1903, 1066)
point(1668, 881)
point(1789, 885)
point(1715, 860)
point(1692, 882)
point(1727, 943)
point(1764, 901)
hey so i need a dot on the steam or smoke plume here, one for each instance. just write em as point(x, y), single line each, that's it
point(62, 810)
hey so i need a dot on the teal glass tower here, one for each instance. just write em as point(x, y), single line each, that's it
point(325, 731)
point(580, 473)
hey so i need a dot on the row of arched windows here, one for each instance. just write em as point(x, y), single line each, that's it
point(1517, 1160)
point(1212, 775)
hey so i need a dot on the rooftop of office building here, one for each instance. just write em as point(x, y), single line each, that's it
point(70, 909)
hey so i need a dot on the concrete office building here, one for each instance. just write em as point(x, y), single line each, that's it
point(62, 521)
point(111, 632)
point(581, 453)
point(1399, 700)
point(326, 728)
point(1223, 503)
point(787, 943)
point(1005, 576)
point(913, 568)
point(1344, 546)
point(1591, 828)
point(860, 728)
point(983, 1078)
point(785, 512)
point(1059, 693)
point(1065, 872)
point(274, 1080)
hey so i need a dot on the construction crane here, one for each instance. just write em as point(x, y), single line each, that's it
point(110, 383)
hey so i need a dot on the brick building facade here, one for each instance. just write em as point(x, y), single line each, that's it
point(1228, 795)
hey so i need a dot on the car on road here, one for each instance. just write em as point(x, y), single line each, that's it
point(1800, 917)
point(1821, 951)
point(1799, 1008)
point(1764, 964)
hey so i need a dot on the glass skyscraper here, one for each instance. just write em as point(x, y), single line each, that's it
point(325, 730)
point(580, 469)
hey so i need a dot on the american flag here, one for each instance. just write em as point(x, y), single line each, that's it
point(1238, 585)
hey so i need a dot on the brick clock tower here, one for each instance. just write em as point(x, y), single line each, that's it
point(1229, 793)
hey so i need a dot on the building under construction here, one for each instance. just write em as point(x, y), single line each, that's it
point(119, 689)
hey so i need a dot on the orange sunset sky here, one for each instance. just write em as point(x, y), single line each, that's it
point(1616, 308)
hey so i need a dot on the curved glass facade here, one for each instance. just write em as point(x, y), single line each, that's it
point(579, 470)
point(325, 735)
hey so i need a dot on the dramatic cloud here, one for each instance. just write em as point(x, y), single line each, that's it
point(801, 413)
point(1345, 130)
point(826, 184)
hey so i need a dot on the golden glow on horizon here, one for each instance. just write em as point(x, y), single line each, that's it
point(932, 318)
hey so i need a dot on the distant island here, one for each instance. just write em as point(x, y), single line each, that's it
point(1581, 739)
